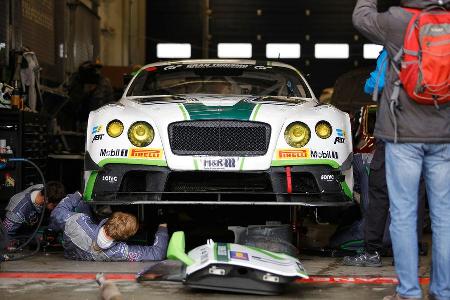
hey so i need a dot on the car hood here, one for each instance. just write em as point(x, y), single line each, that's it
point(208, 107)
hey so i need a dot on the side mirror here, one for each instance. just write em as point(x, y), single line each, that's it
point(126, 79)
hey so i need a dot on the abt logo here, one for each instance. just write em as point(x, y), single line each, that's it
point(109, 178)
point(97, 137)
point(339, 140)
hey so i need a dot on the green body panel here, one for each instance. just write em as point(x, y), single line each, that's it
point(87, 196)
point(240, 111)
point(305, 162)
point(129, 161)
point(177, 249)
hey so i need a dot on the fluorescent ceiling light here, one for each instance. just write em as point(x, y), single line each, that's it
point(282, 50)
point(169, 50)
point(234, 50)
point(371, 51)
point(339, 51)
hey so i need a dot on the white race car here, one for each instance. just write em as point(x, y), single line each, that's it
point(219, 131)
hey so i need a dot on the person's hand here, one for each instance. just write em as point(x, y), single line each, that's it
point(164, 225)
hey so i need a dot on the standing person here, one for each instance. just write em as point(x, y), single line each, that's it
point(417, 141)
point(84, 239)
point(25, 207)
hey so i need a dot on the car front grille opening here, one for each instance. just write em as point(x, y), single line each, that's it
point(243, 186)
point(134, 181)
point(304, 183)
point(219, 138)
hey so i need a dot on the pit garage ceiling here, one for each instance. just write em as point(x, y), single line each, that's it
point(260, 22)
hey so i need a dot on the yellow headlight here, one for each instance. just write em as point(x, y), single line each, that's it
point(297, 134)
point(114, 128)
point(141, 134)
point(323, 129)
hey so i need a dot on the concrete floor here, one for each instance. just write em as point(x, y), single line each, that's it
point(319, 268)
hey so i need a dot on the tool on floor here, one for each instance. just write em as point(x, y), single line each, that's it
point(233, 267)
point(108, 289)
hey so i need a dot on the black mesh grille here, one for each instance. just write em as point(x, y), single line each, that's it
point(219, 138)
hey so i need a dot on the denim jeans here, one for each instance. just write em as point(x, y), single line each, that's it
point(404, 164)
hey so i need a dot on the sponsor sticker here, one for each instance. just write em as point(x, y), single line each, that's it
point(324, 154)
point(327, 177)
point(239, 255)
point(219, 163)
point(293, 154)
point(341, 135)
point(109, 178)
point(114, 152)
point(208, 65)
point(145, 153)
point(97, 129)
point(97, 137)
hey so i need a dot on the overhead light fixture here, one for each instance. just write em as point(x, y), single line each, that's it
point(170, 50)
point(332, 51)
point(234, 50)
point(371, 51)
point(285, 50)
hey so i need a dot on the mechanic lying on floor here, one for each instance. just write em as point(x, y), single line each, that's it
point(24, 208)
point(84, 239)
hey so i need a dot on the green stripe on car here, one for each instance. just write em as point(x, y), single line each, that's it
point(304, 162)
point(132, 161)
point(240, 111)
point(87, 196)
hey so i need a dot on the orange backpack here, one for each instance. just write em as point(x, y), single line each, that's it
point(425, 57)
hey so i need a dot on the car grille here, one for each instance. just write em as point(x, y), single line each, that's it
point(219, 138)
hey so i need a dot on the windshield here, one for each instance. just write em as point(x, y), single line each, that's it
point(219, 78)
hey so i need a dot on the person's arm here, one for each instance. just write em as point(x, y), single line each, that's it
point(157, 251)
point(66, 208)
point(369, 22)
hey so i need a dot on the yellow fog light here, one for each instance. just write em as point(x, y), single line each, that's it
point(297, 134)
point(141, 134)
point(323, 129)
point(114, 128)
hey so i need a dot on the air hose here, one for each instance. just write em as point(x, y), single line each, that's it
point(9, 257)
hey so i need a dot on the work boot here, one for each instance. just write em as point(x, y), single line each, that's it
point(364, 259)
point(398, 297)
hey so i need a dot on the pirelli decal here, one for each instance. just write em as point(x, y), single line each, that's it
point(145, 153)
point(293, 153)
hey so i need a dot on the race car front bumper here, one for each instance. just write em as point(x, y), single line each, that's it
point(310, 185)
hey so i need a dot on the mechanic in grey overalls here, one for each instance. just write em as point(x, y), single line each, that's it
point(24, 208)
point(84, 239)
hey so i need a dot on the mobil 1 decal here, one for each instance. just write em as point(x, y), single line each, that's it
point(324, 154)
point(114, 152)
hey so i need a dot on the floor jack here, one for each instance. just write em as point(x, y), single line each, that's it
point(232, 267)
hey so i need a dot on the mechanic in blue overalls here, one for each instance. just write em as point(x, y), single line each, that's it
point(24, 209)
point(84, 239)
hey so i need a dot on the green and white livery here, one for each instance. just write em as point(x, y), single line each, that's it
point(223, 127)
point(234, 267)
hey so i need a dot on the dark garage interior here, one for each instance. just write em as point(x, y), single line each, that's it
point(217, 149)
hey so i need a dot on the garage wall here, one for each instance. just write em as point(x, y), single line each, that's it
point(259, 22)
